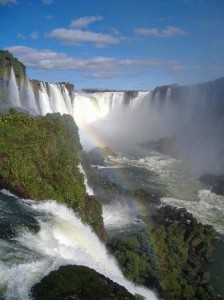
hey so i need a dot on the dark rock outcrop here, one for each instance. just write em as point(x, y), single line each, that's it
point(80, 283)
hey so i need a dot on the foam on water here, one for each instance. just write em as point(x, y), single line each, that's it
point(170, 171)
point(63, 239)
point(208, 208)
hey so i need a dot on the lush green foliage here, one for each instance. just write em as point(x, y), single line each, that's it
point(79, 282)
point(170, 257)
point(180, 262)
point(39, 160)
point(136, 259)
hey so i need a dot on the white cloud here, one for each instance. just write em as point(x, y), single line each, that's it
point(49, 60)
point(169, 31)
point(47, 1)
point(7, 2)
point(34, 35)
point(85, 21)
point(78, 37)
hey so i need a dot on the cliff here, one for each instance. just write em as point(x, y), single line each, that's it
point(39, 160)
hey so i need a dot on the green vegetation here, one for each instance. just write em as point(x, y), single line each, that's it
point(79, 282)
point(136, 259)
point(170, 257)
point(39, 160)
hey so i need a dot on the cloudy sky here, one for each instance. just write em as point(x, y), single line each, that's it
point(116, 44)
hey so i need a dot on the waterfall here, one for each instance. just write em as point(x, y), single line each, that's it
point(84, 107)
point(31, 102)
point(14, 90)
point(125, 118)
point(62, 239)
point(89, 190)
point(44, 102)
point(68, 100)
point(56, 99)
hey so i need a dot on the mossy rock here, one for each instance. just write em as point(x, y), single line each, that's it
point(78, 282)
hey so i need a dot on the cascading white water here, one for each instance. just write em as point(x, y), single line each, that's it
point(85, 107)
point(44, 102)
point(68, 100)
point(14, 90)
point(63, 239)
point(56, 99)
point(31, 102)
point(89, 190)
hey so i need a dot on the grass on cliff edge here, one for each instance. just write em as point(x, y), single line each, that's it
point(39, 159)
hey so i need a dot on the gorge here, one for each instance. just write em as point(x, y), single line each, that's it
point(162, 141)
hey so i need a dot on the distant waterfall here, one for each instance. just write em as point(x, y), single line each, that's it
point(184, 113)
point(55, 97)
point(14, 90)
point(30, 97)
point(44, 102)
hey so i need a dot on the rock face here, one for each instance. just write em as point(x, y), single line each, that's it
point(78, 282)
point(215, 183)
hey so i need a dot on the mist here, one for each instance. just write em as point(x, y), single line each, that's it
point(192, 116)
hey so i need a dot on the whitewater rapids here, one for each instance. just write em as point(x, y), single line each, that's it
point(62, 239)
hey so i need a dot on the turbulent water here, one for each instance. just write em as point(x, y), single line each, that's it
point(167, 177)
point(27, 256)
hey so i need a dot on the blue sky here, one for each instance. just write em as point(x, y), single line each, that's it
point(116, 44)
